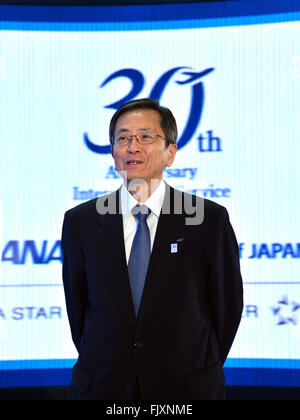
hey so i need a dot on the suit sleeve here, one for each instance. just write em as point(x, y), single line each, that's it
point(74, 279)
point(225, 288)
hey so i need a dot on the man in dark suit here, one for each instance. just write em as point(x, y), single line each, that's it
point(151, 276)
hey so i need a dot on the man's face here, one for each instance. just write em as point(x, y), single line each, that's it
point(142, 161)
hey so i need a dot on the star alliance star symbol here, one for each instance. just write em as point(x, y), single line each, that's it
point(285, 311)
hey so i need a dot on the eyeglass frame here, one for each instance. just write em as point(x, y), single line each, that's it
point(136, 136)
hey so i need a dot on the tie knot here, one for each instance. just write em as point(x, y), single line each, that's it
point(141, 212)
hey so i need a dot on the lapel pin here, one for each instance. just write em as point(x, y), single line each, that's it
point(174, 248)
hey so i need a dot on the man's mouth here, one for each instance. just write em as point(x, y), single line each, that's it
point(134, 162)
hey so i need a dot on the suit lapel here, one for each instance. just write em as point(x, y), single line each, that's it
point(111, 249)
point(170, 231)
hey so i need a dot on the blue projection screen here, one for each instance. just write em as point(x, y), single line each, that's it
point(232, 79)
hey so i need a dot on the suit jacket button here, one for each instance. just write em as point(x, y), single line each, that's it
point(137, 345)
point(128, 388)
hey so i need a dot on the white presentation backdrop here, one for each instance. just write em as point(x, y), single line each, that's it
point(236, 92)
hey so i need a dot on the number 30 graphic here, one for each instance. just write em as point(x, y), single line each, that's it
point(138, 81)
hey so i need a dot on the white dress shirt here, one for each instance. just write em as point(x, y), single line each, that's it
point(154, 203)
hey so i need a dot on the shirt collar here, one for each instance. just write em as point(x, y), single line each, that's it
point(154, 202)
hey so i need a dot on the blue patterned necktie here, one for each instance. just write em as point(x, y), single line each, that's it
point(139, 255)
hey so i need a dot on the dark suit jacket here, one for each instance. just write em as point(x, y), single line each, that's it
point(189, 314)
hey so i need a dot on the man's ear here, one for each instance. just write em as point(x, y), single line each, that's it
point(171, 154)
point(112, 153)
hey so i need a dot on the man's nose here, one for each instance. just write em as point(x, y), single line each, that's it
point(133, 145)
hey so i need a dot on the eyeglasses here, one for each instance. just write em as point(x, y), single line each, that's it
point(143, 137)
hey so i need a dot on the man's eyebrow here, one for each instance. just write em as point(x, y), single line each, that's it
point(125, 130)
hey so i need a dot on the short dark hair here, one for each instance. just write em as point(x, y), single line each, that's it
point(167, 120)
